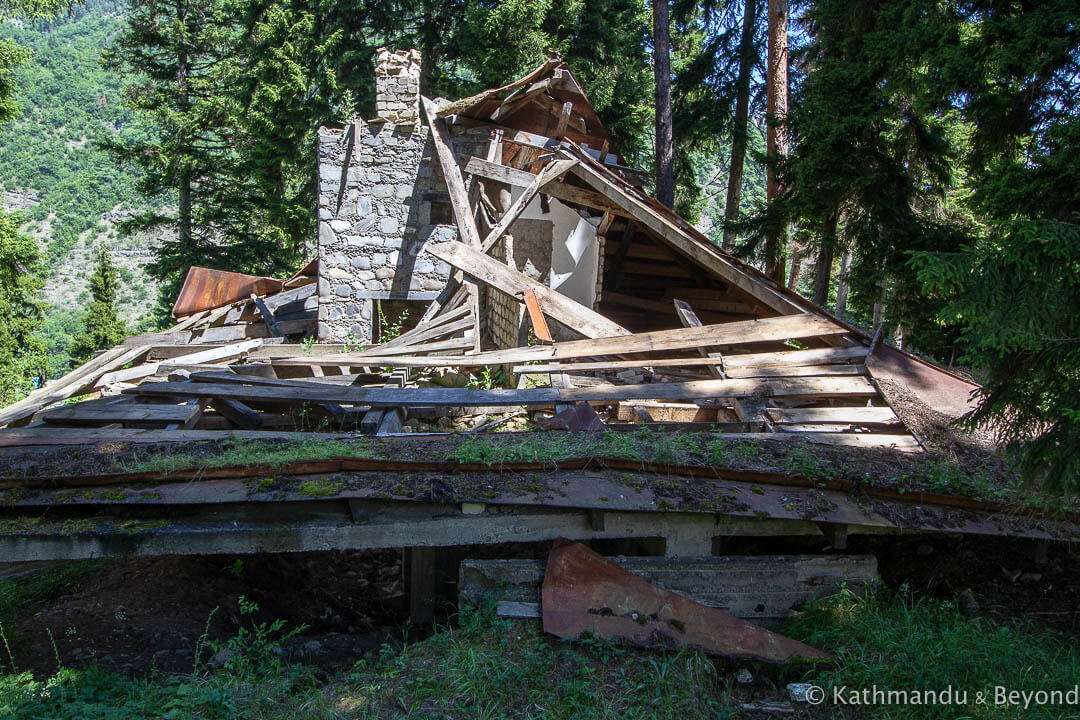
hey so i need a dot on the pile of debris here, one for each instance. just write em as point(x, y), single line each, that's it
point(750, 356)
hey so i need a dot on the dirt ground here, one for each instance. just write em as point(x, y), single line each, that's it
point(135, 616)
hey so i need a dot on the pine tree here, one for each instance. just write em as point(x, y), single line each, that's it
point(747, 60)
point(103, 327)
point(23, 360)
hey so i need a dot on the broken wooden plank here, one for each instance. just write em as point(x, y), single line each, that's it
point(267, 316)
point(129, 414)
point(536, 315)
point(567, 311)
point(393, 397)
point(798, 371)
point(690, 319)
point(783, 327)
point(548, 174)
point(237, 413)
point(822, 356)
point(77, 382)
point(209, 355)
point(455, 185)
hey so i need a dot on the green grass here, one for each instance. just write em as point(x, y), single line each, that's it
point(252, 452)
point(894, 642)
point(487, 667)
point(484, 668)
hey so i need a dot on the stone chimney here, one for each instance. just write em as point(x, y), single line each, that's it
point(397, 86)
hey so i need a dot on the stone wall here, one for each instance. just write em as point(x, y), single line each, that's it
point(381, 200)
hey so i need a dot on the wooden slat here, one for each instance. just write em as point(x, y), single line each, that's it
point(209, 355)
point(126, 413)
point(798, 371)
point(569, 312)
point(665, 307)
point(78, 381)
point(395, 397)
point(601, 366)
point(558, 190)
point(840, 415)
point(783, 327)
point(430, 333)
point(259, 330)
point(795, 357)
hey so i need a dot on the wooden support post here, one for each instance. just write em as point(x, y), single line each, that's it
point(835, 533)
point(422, 585)
point(596, 519)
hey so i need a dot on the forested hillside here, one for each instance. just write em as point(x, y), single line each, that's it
point(53, 169)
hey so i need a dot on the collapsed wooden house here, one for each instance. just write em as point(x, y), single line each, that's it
point(483, 223)
point(509, 228)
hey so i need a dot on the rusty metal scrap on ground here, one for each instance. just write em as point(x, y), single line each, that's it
point(584, 592)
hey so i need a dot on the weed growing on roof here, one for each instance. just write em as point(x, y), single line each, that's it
point(802, 460)
point(22, 524)
point(320, 487)
point(946, 477)
point(620, 445)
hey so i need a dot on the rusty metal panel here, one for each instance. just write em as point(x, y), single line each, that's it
point(585, 592)
point(937, 387)
point(579, 416)
point(206, 289)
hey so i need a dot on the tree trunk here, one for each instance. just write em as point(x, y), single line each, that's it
point(798, 252)
point(665, 177)
point(776, 102)
point(842, 283)
point(742, 113)
point(183, 218)
point(823, 269)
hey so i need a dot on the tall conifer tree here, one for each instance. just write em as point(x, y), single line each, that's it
point(103, 327)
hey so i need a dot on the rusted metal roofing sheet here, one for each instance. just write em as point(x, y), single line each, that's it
point(206, 289)
point(585, 592)
point(938, 388)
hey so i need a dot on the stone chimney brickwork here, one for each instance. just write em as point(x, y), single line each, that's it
point(397, 86)
point(382, 200)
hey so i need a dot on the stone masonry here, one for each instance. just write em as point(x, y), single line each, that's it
point(381, 200)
